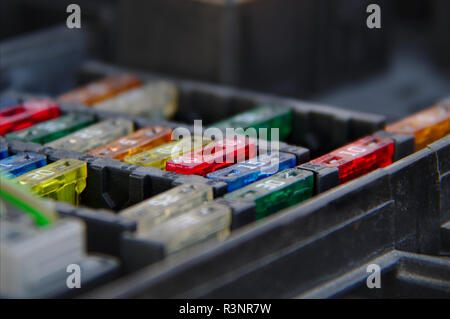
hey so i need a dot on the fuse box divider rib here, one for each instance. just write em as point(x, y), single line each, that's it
point(165, 268)
point(395, 261)
point(268, 260)
point(442, 151)
point(329, 289)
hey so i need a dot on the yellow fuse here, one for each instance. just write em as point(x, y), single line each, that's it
point(427, 126)
point(155, 100)
point(158, 156)
point(94, 136)
point(136, 142)
point(101, 90)
point(211, 220)
point(63, 180)
point(171, 203)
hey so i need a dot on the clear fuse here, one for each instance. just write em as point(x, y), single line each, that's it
point(154, 100)
point(94, 136)
point(173, 202)
point(211, 220)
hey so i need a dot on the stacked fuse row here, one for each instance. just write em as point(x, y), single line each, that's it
point(266, 179)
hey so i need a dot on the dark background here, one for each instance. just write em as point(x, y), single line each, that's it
point(318, 50)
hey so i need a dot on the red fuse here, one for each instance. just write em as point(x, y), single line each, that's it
point(27, 114)
point(360, 157)
point(213, 156)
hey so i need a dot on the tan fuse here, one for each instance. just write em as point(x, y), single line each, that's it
point(134, 143)
point(94, 136)
point(427, 126)
point(211, 220)
point(155, 100)
point(173, 202)
point(101, 90)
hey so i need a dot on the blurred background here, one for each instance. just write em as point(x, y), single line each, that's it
point(318, 50)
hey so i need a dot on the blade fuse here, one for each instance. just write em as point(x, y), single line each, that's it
point(155, 100)
point(3, 150)
point(358, 158)
point(63, 180)
point(51, 130)
point(27, 114)
point(211, 220)
point(134, 143)
point(21, 163)
point(219, 154)
point(94, 136)
point(242, 174)
point(173, 202)
point(277, 192)
point(101, 90)
point(261, 117)
point(426, 126)
point(158, 156)
point(7, 101)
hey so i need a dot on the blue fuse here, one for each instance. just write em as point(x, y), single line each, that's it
point(7, 101)
point(3, 150)
point(242, 174)
point(22, 163)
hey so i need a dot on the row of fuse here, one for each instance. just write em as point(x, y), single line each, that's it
point(187, 214)
point(152, 146)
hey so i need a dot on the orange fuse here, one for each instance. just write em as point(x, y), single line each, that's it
point(134, 143)
point(101, 90)
point(427, 126)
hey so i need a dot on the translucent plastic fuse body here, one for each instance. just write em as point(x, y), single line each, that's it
point(359, 158)
point(7, 101)
point(211, 220)
point(22, 163)
point(277, 192)
point(242, 174)
point(27, 114)
point(261, 117)
point(101, 90)
point(134, 143)
point(155, 100)
point(29, 256)
point(159, 208)
point(94, 136)
point(51, 130)
point(158, 156)
point(63, 180)
point(3, 150)
point(218, 154)
point(426, 126)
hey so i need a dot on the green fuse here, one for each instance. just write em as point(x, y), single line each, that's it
point(51, 130)
point(266, 116)
point(275, 193)
point(63, 180)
